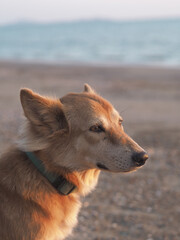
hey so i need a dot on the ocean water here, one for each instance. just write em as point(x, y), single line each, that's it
point(96, 41)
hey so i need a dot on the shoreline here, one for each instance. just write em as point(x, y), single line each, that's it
point(90, 64)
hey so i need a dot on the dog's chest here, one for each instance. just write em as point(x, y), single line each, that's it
point(63, 218)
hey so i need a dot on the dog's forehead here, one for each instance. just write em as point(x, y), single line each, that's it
point(89, 107)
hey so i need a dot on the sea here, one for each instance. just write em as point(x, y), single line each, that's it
point(145, 42)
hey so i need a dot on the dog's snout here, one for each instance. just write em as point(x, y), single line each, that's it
point(139, 158)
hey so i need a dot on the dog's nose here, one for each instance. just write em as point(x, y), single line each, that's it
point(140, 158)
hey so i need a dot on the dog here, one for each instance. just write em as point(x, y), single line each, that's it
point(62, 147)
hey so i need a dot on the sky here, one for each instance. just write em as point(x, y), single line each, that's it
point(67, 10)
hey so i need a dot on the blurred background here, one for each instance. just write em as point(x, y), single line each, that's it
point(129, 51)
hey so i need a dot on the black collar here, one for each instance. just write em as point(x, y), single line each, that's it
point(58, 182)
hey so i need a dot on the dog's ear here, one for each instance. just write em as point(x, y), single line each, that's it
point(88, 89)
point(43, 111)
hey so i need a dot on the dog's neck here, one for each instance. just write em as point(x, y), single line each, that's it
point(63, 186)
point(65, 182)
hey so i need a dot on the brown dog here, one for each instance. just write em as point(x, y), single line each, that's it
point(63, 145)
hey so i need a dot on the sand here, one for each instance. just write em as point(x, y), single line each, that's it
point(144, 205)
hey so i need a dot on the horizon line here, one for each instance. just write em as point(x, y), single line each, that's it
point(100, 19)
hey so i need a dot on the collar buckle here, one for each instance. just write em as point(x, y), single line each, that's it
point(63, 186)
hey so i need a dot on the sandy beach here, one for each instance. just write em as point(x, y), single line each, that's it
point(143, 205)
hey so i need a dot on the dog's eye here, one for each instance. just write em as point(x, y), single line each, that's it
point(120, 122)
point(97, 128)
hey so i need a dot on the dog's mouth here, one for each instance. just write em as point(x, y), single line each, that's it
point(101, 166)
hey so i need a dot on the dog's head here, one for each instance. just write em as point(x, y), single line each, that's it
point(80, 131)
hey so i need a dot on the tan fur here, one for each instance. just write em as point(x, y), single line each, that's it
point(58, 132)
